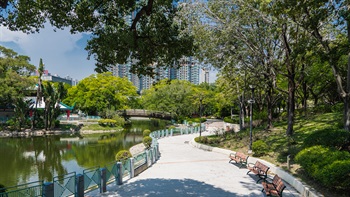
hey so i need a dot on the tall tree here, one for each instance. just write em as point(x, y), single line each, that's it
point(39, 92)
point(239, 35)
point(325, 21)
point(142, 32)
point(14, 76)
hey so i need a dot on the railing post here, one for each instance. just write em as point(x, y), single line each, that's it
point(48, 189)
point(153, 154)
point(132, 167)
point(147, 158)
point(166, 132)
point(157, 150)
point(80, 185)
point(103, 186)
point(120, 173)
point(171, 132)
point(158, 133)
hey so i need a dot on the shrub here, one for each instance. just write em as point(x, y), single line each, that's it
point(57, 123)
point(229, 120)
point(202, 139)
point(147, 141)
point(171, 127)
point(107, 122)
point(330, 137)
point(326, 165)
point(260, 148)
point(120, 121)
point(123, 155)
point(146, 132)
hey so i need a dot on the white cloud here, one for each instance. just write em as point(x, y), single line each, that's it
point(59, 50)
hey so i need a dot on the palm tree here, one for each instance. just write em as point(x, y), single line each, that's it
point(38, 91)
point(22, 108)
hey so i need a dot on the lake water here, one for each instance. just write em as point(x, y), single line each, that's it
point(24, 160)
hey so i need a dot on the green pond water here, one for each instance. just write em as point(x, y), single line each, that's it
point(24, 160)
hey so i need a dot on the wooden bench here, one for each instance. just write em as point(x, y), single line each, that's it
point(275, 188)
point(239, 158)
point(258, 169)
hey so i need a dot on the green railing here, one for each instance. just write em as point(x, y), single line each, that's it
point(111, 172)
point(92, 178)
point(126, 168)
point(31, 189)
point(67, 185)
point(64, 185)
point(139, 159)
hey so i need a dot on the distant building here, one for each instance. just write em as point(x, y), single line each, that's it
point(55, 78)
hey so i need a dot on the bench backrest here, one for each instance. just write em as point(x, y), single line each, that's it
point(278, 183)
point(242, 156)
point(263, 168)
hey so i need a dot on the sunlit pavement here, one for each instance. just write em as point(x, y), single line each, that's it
point(183, 170)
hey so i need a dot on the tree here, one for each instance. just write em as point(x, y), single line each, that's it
point(21, 112)
point(101, 91)
point(39, 91)
point(143, 32)
point(325, 22)
point(170, 96)
point(239, 38)
point(14, 76)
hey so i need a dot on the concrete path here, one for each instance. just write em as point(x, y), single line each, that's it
point(183, 170)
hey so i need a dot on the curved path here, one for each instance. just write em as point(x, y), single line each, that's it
point(183, 170)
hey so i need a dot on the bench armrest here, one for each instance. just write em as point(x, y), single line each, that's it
point(232, 155)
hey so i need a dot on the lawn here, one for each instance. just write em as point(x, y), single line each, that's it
point(280, 146)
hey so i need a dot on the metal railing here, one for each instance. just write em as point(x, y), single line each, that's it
point(96, 177)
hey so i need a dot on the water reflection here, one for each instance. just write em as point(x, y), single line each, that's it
point(24, 160)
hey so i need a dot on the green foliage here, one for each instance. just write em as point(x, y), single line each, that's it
point(326, 165)
point(202, 139)
point(120, 121)
point(155, 20)
point(123, 155)
point(146, 132)
point(228, 119)
point(330, 137)
point(147, 141)
point(15, 77)
point(99, 92)
point(260, 148)
point(57, 124)
point(107, 122)
point(171, 127)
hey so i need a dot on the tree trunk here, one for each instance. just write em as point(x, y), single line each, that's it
point(291, 104)
point(269, 108)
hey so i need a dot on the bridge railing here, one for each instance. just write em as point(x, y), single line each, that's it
point(73, 184)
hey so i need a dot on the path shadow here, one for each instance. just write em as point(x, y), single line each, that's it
point(171, 187)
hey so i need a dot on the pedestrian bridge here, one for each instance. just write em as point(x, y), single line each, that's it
point(127, 113)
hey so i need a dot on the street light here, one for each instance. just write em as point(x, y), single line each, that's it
point(200, 115)
point(251, 101)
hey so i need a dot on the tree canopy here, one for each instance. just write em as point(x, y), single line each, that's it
point(144, 33)
point(101, 91)
point(15, 70)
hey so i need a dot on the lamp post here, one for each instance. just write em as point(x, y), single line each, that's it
point(251, 101)
point(200, 115)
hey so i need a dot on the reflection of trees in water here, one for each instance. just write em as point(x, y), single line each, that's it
point(40, 158)
point(24, 157)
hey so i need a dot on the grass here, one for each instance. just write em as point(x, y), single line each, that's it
point(280, 145)
point(95, 127)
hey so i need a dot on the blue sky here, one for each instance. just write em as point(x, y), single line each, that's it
point(63, 53)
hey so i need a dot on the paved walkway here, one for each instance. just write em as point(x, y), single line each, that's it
point(183, 170)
